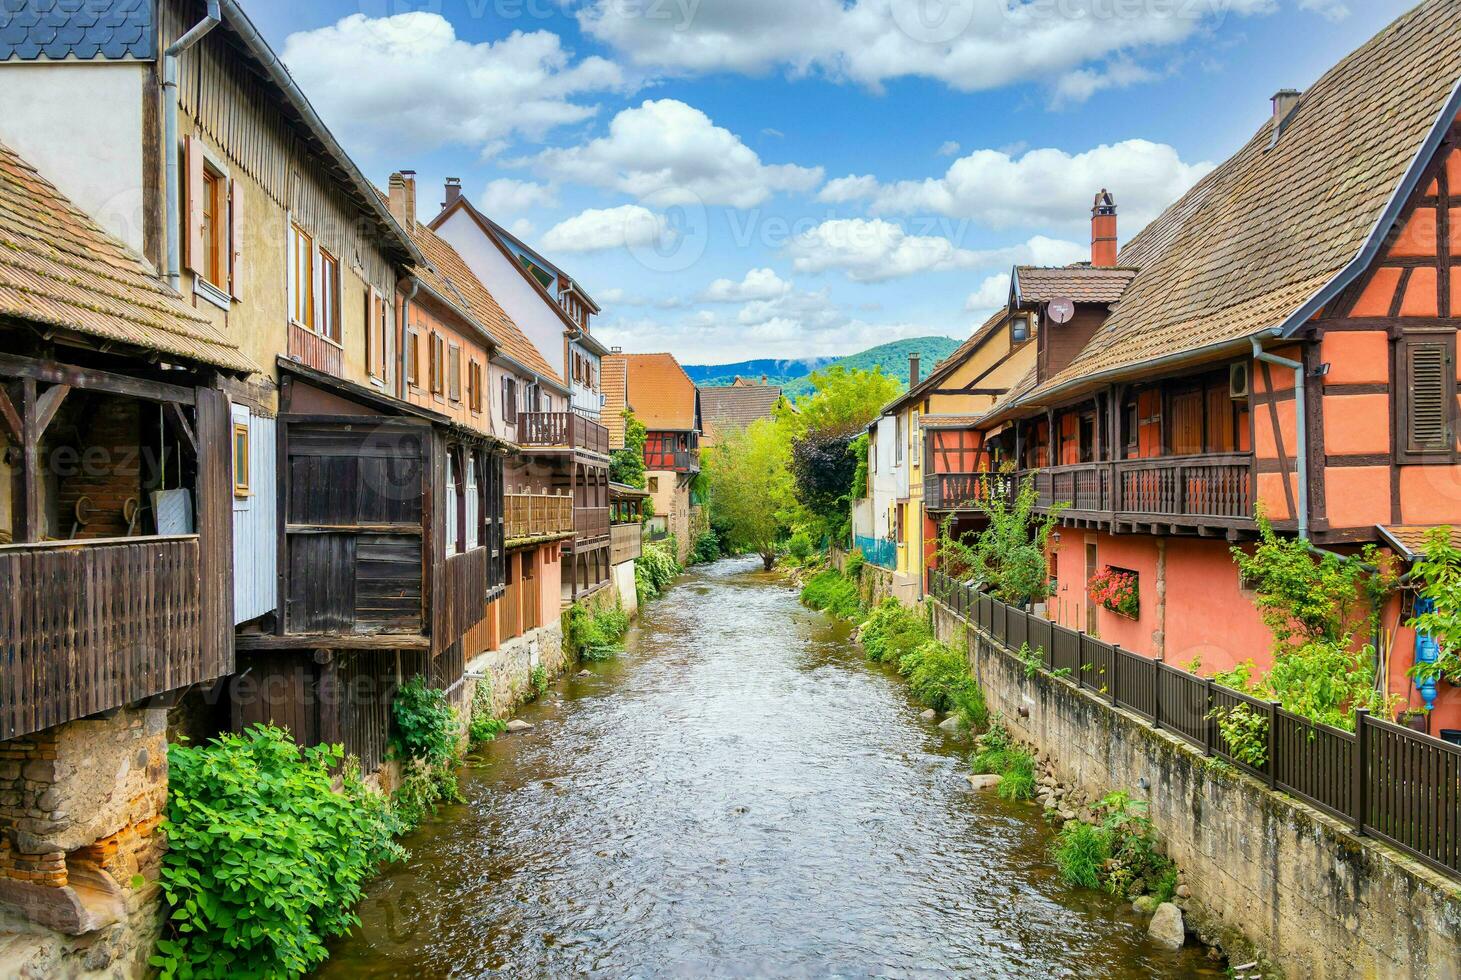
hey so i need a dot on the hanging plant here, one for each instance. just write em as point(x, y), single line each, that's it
point(1117, 591)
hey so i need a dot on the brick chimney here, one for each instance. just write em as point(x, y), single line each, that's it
point(453, 191)
point(1103, 230)
point(1284, 102)
point(912, 371)
point(403, 198)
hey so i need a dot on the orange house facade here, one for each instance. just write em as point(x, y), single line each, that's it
point(1280, 348)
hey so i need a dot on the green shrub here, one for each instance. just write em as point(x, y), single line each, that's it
point(654, 569)
point(483, 727)
point(538, 679)
point(893, 631)
point(999, 754)
point(1019, 776)
point(1080, 851)
point(800, 546)
point(265, 860)
point(832, 592)
point(706, 548)
point(425, 738)
point(852, 567)
point(596, 636)
point(935, 671)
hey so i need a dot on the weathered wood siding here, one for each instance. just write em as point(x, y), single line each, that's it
point(256, 523)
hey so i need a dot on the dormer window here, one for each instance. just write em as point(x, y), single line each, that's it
point(1020, 329)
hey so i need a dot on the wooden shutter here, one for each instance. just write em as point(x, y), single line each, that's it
point(193, 236)
point(1431, 395)
point(235, 239)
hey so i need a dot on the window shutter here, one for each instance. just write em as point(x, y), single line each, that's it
point(193, 233)
point(235, 240)
point(1430, 396)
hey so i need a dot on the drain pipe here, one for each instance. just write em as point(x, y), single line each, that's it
point(1300, 423)
point(401, 338)
point(170, 139)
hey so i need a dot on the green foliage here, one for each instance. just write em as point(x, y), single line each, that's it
point(852, 567)
point(1438, 573)
point(1080, 852)
point(858, 447)
point(596, 636)
point(484, 728)
point(1245, 731)
point(1009, 555)
point(890, 358)
point(706, 548)
point(751, 492)
point(893, 631)
point(939, 677)
point(426, 725)
point(654, 569)
point(1315, 604)
point(265, 859)
point(799, 548)
point(1018, 782)
point(538, 679)
point(627, 465)
point(833, 593)
point(1119, 853)
point(423, 788)
point(998, 753)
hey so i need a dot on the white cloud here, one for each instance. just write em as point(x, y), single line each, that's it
point(506, 196)
point(875, 250)
point(758, 284)
point(840, 190)
point(1045, 187)
point(1079, 85)
point(950, 148)
point(599, 229)
point(665, 152)
point(969, 45)
point(1334, 10)
point(408, 80)
point(522, 228)
point(992, 294)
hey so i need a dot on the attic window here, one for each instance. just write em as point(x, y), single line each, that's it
point(1020, 329)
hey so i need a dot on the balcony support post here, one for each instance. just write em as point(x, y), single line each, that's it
point(1301, 427)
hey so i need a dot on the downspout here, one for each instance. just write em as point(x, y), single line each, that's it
point(401, 338)
point(1300, 421)
point(170, 139)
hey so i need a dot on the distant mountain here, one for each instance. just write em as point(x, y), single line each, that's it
point(892, 358)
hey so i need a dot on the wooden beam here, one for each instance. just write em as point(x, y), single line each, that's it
point(28, 474)
point(307, 645)
point(11, 417)
point(52, 372)
point(180, 422)
point(47, 405)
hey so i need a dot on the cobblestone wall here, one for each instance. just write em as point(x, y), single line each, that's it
point(508, 670)
point(1314, 898)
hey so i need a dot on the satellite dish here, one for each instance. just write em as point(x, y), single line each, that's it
point(1062, 310)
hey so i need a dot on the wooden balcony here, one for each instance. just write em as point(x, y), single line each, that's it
point(628, 542)
point(1206, 493)
point(537, 515)
point(90, 626)
point(590, 524)
point(561, 430)
point(680, 461)
point(955, 492)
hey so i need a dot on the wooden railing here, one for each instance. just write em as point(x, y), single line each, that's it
point(965, 491)
point(537, 515)
point(312, 350)
point(678, 461)
point(87, 627)
point(1202, 490)
point(628, 542)
point(566, 429)
point(1386, 781)
point(590, 523)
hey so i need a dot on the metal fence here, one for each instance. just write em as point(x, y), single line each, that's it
point(1386, 781)
point(878, 551)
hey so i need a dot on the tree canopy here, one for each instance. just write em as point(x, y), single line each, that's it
point(750, 487)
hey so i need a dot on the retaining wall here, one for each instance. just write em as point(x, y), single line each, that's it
point(1315, 899)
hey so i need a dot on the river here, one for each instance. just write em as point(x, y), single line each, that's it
point(738, 794)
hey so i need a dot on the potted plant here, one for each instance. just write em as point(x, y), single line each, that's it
point(1117, 591)
point(1413, 718)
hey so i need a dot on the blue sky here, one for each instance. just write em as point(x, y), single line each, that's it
point(784, 178)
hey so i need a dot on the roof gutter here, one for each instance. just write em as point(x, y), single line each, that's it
point(171, 148)
point(406, 300)
point(538, 377)
point(1357, 266)
point(277, 73)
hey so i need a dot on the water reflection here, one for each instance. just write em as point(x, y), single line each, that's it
point(738, 795)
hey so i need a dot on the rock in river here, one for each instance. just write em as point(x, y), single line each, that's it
point(929, 715)
point(1166, 928)
point(952, 723)
point(518, 725)
point(989, 781)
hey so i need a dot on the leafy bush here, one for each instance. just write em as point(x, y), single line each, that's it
point(852, 567)
point(484, 728)
point(1080, 852)
point(935, 672)
point(706, 548)
point(893, 631)
point(833, 593)
point(596, 636)
point(538, 678)
point(999, 754)
point(423, 788)
point(1009, 555)
point(1119, 853)
point(1245, 731)
point(654, 569)
point(800, 546)
point(426, 725)
point(265, 859)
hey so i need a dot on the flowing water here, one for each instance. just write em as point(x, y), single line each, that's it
point(739, 794)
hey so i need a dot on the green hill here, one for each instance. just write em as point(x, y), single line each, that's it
point(891, 358)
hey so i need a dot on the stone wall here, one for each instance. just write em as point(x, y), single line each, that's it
point(1315, 899)
point(508, 670)
point(875, 583)
point(80, 851)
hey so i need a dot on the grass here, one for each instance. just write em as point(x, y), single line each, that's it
point(1080, 852)
point(833, 593)
point(999, 754)
point(596, 636)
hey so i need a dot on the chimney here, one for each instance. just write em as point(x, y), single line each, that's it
point(1103, 230)
point(403, 198)
point(912, 371)
point(616, 350)
point(453, 191)
point(764, 380)
point(1285, 101)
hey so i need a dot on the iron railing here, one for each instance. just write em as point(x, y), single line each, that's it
point(882, 552)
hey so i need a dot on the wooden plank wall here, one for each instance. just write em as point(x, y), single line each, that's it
point(213, 425)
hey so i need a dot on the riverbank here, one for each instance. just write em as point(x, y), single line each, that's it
point(738, 794)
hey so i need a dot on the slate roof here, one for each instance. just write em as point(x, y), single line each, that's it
point(58, 267)
point(614, 377)
point(729, 407)
point(1081, 283)
point(83, 29)
point(1257, 239)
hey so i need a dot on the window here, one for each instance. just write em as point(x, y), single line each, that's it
point(382, 330)
point(437, 367)
point(1425, 401)
point(214, 226)
point(413, 358)
point(454, 373)
point(915, 439)
point(301, 278)
point(509, 400)
point(897, 440)
point(329, 296)
point(240, 459)
point(654, 484)
point(215, 218)
point(474, 387)
point(1020, 329)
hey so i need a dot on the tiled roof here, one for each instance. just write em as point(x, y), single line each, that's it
point(945, 367)
point(1261, 235)
point(615, 374)
point(948, 421)
point(84, 29)
point(1410, 539)
point(58, 267)
point(450, 276)
point(660, 392)
point(736, 406)
point(1081, 283)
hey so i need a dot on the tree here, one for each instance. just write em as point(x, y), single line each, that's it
point(1009, 555)
point(626, 465)
point(750, 487)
